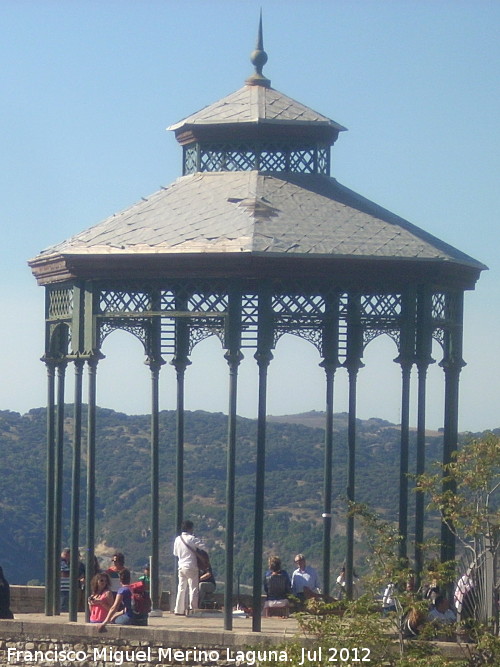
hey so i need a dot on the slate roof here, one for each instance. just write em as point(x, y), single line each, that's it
point(250, 212)
point(256, 104)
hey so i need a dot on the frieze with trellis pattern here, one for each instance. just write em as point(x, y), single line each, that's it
point(276, 158)
point(124, 301)
point(381, 314)
point(296, 309)
point(445, 314)
point(249, 320)
point(60, 303)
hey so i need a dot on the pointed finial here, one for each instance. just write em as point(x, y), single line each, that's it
point(258, 59)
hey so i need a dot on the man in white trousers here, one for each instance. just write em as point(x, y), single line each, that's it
point(185, 546)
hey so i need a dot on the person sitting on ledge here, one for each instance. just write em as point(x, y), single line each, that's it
point(101, 599)
point(305, 580)
point(441, 612)
point(121, 613)
point(277, 587)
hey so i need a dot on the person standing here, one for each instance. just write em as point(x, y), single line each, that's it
point(185, 546)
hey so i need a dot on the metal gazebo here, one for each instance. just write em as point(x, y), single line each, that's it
point(254, 241)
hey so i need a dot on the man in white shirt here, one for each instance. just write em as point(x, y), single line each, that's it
point(305, 580)
point(441, 612)
point(185, 546)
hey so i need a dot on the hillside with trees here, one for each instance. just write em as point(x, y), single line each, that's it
point(294, 483)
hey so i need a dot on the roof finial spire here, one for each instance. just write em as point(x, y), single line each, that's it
point(258, 58)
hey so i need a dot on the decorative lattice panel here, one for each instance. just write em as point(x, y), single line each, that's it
point(273, 161)
point(446, 309)
point(207, 302)
point(60, 303)
point(300, 315)
point(167, 336)
point(167, 300)
point(381, 314)
point(277, 158)
point(202, 328)
point(124, 301)
point(439, 307)
point(249, 320)
point(381, 309)
point(190, 160)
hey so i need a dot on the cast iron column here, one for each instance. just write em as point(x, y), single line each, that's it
point(180, 362)
point(330, 363)
point(155, 362)
point(50, 556)
point(353, 363)
point(75, 493)
point(91, 458)
point(452, 365)
point(155, 366)
point(58, 493)
point(233, 357)
point(263, 357)
point(405, 359)
point(423, 357)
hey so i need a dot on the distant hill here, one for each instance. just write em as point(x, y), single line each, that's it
point(294, 483)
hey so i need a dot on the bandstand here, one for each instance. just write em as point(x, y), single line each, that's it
point(254, 241)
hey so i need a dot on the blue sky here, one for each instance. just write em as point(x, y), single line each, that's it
point(88, 89)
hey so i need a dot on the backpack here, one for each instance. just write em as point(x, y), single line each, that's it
point(140, 600)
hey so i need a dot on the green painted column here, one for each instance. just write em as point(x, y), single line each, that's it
point(353, 364)
point(423, 360)
point(155, 362)
point(50, 556)
point(180, 362)
point(155, 592)
point(452, 365)
point(406, 358)
point(58, 492)
point(233, 357)
point(328, 474)
point(91, 466)
point(263, 357)
point(330, 363)
point(75, 492)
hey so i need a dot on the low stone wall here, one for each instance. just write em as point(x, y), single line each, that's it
point(27, 599)
point(71, 645)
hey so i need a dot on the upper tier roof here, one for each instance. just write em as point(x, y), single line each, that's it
point(256, 104)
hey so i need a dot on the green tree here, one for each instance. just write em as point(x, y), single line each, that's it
point(466, 492)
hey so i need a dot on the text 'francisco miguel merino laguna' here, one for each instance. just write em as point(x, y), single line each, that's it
point(149, 654)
